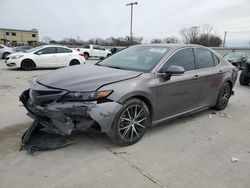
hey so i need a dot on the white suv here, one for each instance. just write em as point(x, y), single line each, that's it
point(48, 56)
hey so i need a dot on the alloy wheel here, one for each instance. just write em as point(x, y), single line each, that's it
point(132, 123)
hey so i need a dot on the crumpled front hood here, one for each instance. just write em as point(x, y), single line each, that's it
point(85, 77)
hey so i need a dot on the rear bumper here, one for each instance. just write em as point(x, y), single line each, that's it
point(65, 117)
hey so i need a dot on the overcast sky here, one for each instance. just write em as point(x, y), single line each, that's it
point(104, 18)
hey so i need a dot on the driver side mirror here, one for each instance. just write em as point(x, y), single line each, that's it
point(173, 70)
point(39, 53)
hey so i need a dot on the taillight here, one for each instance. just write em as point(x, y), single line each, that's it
point(78, 49)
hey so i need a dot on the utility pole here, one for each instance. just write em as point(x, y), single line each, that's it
point(131, 20)
point(195, 32)
point(225, 36)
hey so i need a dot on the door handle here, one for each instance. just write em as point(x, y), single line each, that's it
point(196, 77)
point(220, 71)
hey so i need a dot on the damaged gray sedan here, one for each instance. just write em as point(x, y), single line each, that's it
point(131, 90)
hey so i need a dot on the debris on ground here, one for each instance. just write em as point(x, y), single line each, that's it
point(120, 152)
point(224, 115)
point(35, 139)
point(233, 159)
point(213, 112)
point(210, 116)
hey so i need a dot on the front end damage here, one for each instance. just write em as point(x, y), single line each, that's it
point(55, 116)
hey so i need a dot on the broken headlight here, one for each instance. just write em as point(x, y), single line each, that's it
point(86, 96)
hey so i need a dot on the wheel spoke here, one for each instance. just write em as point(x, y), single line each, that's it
point(139, 113)
point(128, 114)
point(135, 112)
point(139, 121)
point(135, 131)
point(125, 132)
point(129, 120)
point(140, 125)
point(131, 135)
point(124, 127)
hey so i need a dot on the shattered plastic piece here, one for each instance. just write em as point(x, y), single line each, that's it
point(210, 116)
point(34, 139)
point(233, 159)
point(224, 115)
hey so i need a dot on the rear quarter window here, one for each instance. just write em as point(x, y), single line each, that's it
point(204, 58)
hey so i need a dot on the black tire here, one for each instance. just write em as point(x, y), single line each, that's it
point(130, 123)
point(74, 62)
point(86, 56)
point(28, 64)
point(224, 96)
point(5, 55)
point(244, 80)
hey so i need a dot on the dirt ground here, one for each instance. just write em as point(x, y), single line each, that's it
point(190, 152)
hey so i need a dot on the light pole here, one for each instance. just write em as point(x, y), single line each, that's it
point(131, 20)
point(225, 36)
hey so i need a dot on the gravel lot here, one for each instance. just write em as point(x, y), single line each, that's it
point(194, 151)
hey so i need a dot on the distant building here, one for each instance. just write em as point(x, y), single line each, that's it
point(16, 37)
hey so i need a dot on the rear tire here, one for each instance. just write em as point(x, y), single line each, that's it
point(28, 65)
point(86, 56)
point(74, 62)
point(244, 80)
point(130, 123)
point(224, 96)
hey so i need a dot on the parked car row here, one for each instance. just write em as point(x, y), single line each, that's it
point(130, 91)
point(237, 59)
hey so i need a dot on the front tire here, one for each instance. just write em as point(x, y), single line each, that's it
point(224, 96)
point(130, 123)
point(244, 80)
point(5, 55)
point(28, 65)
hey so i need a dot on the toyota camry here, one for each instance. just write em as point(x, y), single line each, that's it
point(130, 91)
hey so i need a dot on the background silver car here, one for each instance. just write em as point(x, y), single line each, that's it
point(5, 51)
point(131, 90)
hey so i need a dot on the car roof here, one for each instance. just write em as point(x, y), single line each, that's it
point(170, 45)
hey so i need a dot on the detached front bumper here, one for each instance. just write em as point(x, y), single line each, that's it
point(65, 117)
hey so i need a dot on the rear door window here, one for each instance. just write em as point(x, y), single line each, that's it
point(204, 58)
point(63, 50)
point(48, 50)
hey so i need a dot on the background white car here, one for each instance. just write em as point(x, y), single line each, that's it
point(94, 51)
point(48, 56)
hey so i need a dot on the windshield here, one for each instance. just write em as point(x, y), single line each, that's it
point(33, 49)
point(233, 55)
point(137, 58)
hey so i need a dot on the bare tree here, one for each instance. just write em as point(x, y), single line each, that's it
point(190, 35)
point(206, 29)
